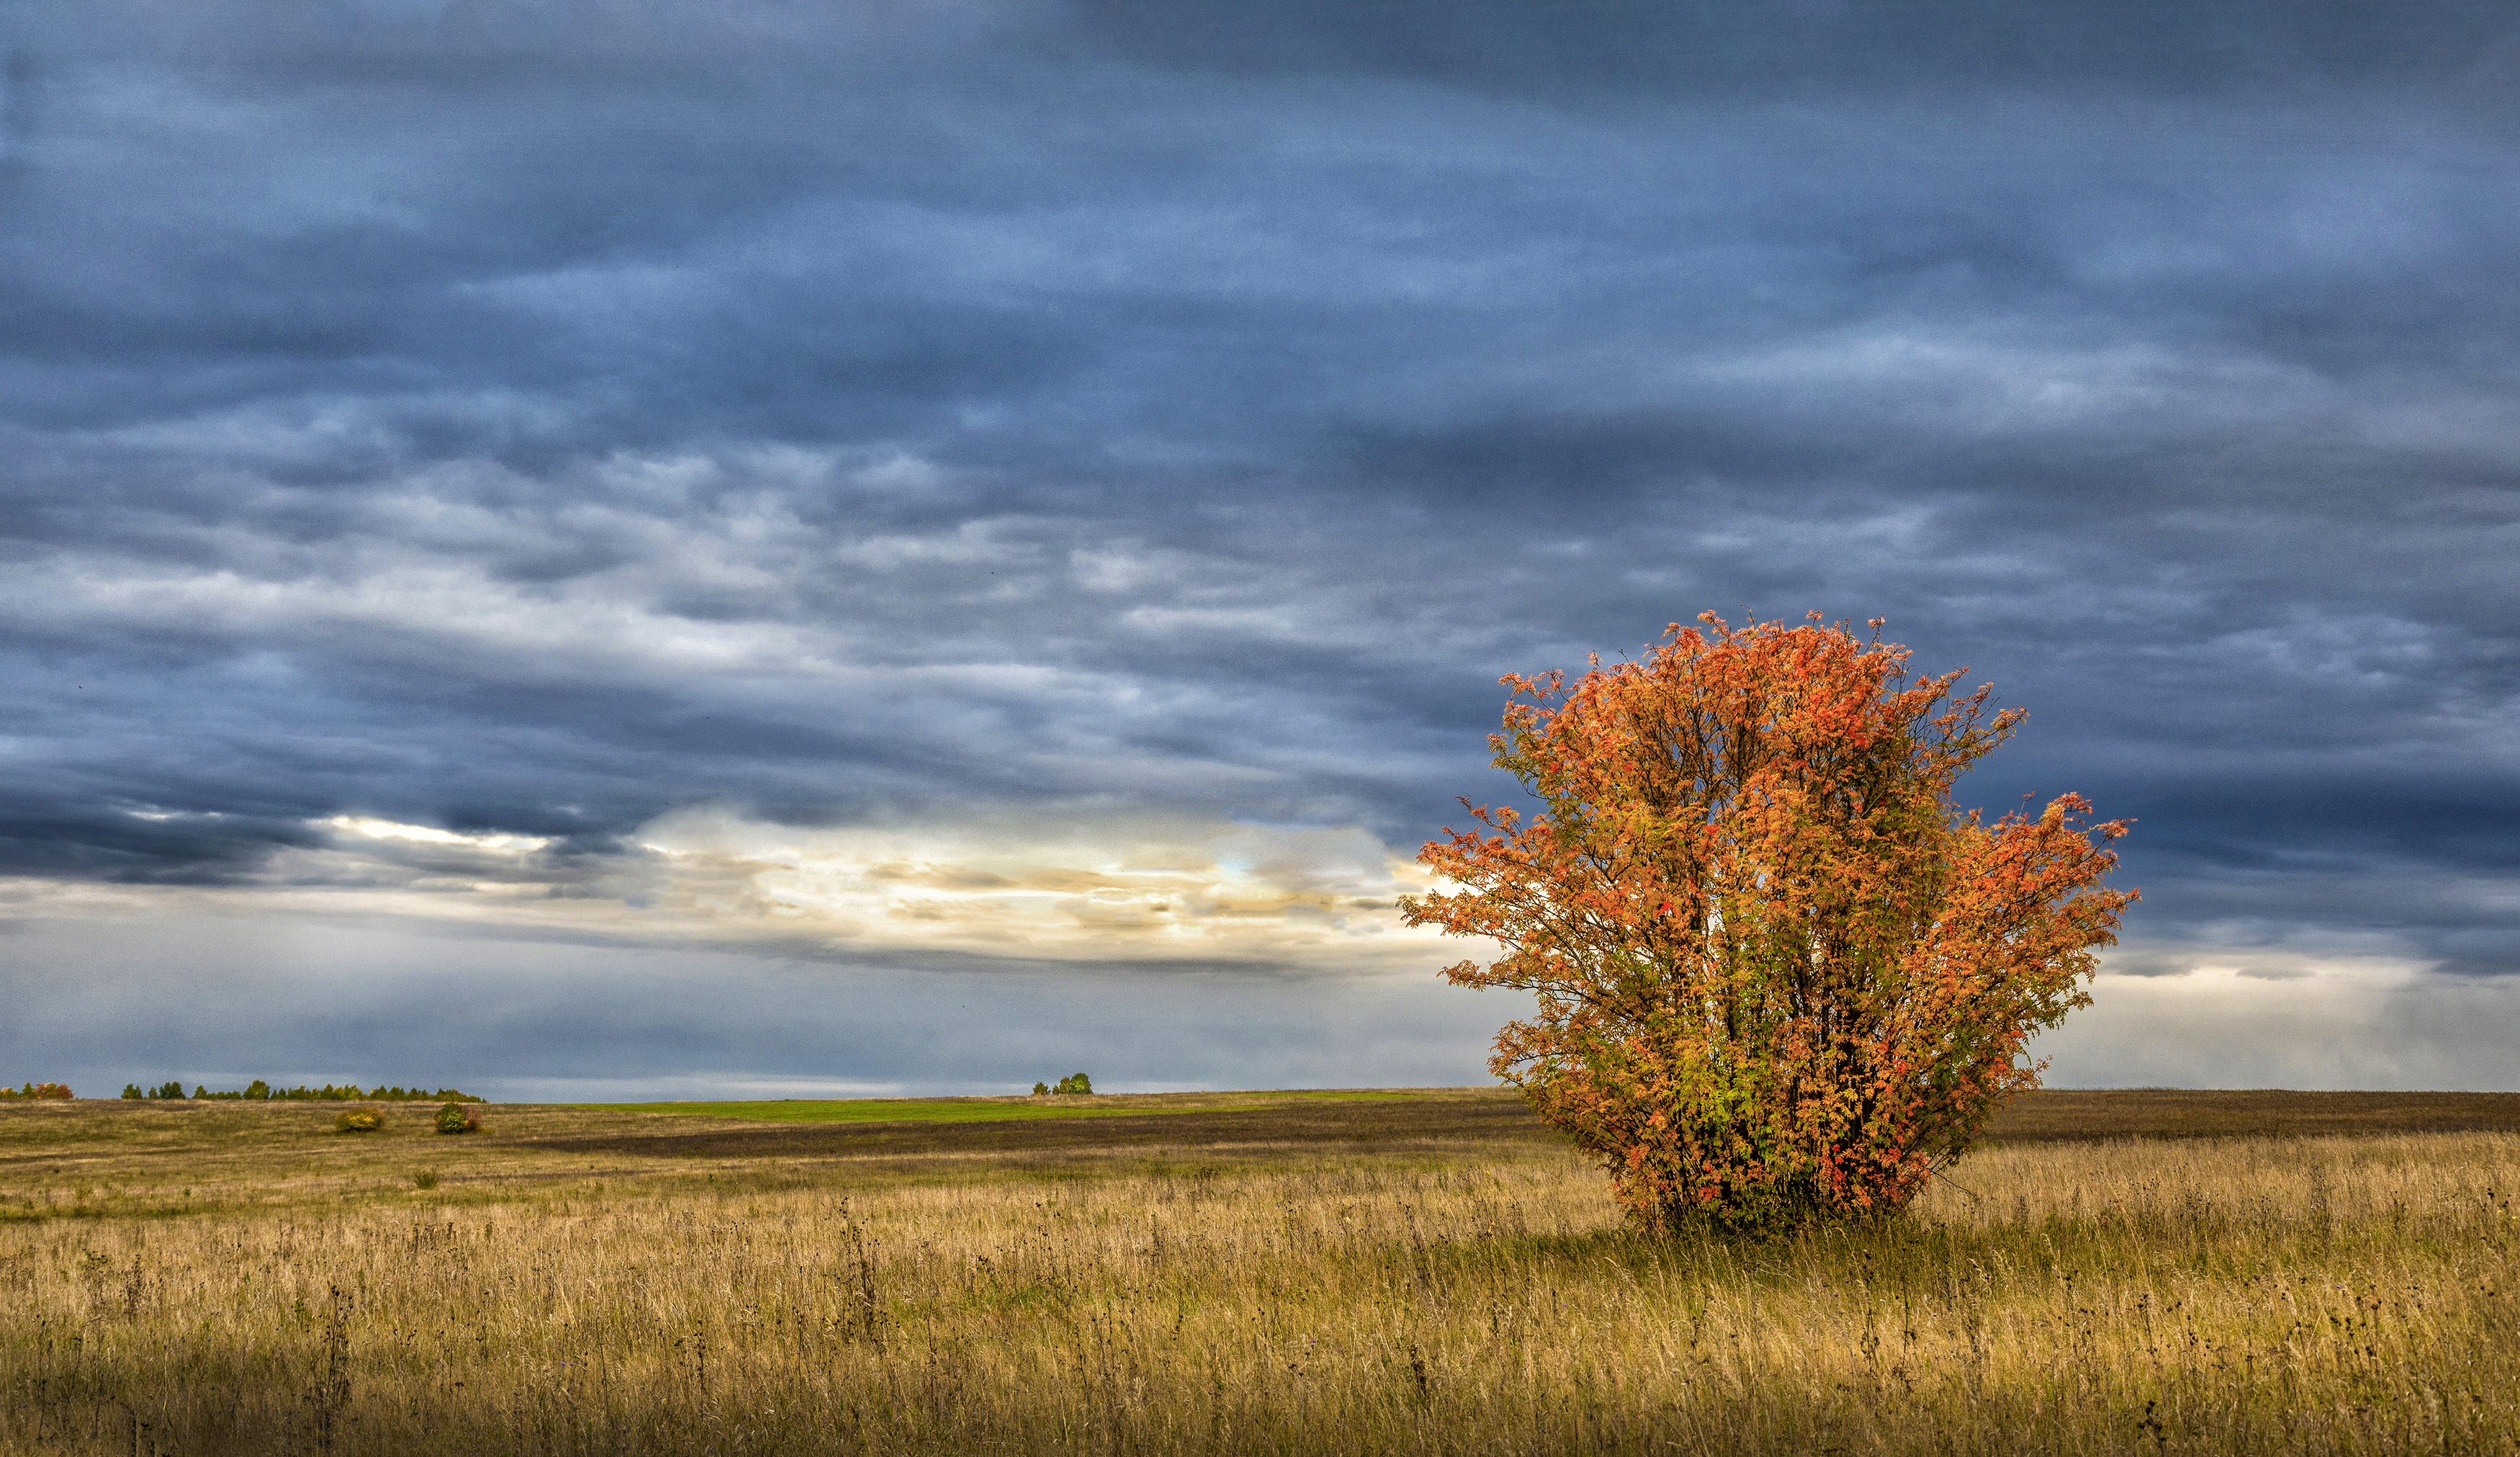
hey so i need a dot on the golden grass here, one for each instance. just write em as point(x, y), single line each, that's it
point(2278, 1295)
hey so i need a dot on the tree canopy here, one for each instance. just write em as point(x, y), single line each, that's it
point(1778, 973)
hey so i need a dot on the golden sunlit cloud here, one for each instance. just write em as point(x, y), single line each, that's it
point(1109, 889)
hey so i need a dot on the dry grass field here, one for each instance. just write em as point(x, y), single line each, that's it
point(1423, 1274)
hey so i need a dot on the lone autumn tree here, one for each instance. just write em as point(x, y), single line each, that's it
point(1779, 975)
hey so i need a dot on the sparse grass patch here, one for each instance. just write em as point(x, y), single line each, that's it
point(992, 1110)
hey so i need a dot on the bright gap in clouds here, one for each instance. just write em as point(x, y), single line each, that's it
point(376, 829)
point(2252, 1017)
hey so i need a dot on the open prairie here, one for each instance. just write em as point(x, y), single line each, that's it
point(1422, 1271)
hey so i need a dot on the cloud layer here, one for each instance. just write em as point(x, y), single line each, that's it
point(760, 483)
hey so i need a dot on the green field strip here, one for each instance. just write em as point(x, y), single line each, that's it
point(978, 1110)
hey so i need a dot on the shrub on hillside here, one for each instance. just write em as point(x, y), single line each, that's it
point(458, 1117)
point(358, 1121)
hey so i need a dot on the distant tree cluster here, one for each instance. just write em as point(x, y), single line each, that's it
point(38, 1090)
point(258, 1091)
point(1074, 1082)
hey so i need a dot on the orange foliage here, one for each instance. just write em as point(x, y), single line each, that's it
point(1779, 975)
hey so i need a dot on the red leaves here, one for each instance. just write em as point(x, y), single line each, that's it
point(1778, 975)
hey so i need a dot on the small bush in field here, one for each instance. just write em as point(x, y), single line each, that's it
point(358, 1121)
point(457, 1117)
point(427, 1178)
point(1781, 974)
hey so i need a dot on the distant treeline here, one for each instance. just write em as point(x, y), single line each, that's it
point(258, 1091)
point(38, 1090)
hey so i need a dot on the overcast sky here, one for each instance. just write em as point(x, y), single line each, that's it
point(628, 547)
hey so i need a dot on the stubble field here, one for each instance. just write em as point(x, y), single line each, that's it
point(1424, 1273)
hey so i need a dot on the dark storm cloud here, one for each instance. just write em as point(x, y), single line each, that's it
point(533, 421)
point(1822, 44)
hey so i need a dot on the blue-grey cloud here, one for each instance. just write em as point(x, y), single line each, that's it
point(535, 420)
